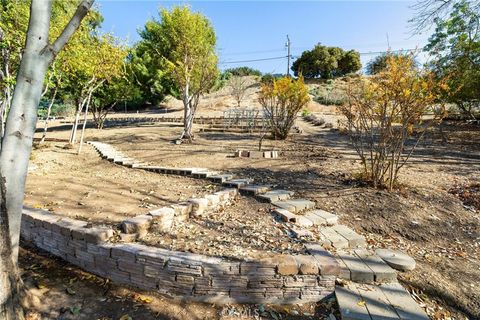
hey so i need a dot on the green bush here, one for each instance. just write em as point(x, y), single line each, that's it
point(244, 71)
point(59, 109)
point(330, 93)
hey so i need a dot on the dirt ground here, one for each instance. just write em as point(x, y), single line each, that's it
point(423, 217)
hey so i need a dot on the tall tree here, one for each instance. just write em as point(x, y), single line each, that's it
point(455, 46)
point(16, 146)
point(100, 59)
point(427, 11)
point(13, 26)
point(185, 43)
point(326, 62)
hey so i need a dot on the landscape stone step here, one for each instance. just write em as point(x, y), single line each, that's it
point(364, 267)
point(340, 236)
point(396, 259)
point(204, 174)
point(371, 302)
point(237, 183)
point(287, 216)
point(354, 239)
point(321, 217)
point(253, 189)
point(221, 178)
point(276, 195)
point(295, 205)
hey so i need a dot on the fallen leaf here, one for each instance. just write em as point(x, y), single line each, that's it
point(125, 317)
point(361, 303)
point(70, 291)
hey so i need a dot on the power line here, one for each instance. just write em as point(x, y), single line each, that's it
point(296, 56)
point(254, 60)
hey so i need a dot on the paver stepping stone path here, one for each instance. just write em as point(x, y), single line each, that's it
point(396, 259)
point(276, 195)
point(221, 178)
point(321, 218)
point(253, 189)
point(363, 266)
point(295, 205)
point(388, 300)
point(370, 302)
point(237, 183)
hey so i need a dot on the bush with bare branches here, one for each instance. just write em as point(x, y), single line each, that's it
point(388, 114)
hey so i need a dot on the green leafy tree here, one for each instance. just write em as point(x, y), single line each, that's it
point(13, 25)
point(99, 59)
point(326, 62)
point(146, 72)
point(244, 71)
point(455, 46)
point(184, 42)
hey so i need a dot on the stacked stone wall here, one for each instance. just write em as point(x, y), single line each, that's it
point(282, 279)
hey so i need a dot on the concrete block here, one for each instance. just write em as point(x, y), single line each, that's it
point(138, 224)
point(199, 206)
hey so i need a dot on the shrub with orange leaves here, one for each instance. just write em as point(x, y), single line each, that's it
point(387, 115)
point(282, 99)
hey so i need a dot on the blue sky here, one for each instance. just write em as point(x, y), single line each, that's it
point(249, 30)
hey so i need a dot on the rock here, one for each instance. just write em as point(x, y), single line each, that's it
point(199, 205)
point(163, 218)
point(287, 266)
point(396, 259)
point(304, 222)
point(307, 264)
point(138, 224)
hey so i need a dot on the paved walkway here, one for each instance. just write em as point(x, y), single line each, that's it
point(371, 290)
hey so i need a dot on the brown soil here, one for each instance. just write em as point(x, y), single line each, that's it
point(422, 218)
point(243, 230)
point(86, 187)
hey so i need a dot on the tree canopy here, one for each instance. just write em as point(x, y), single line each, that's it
point(326, 62)
point(183, 44)
point(455, 46)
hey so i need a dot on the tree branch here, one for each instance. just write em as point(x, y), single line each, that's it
point(71, 27)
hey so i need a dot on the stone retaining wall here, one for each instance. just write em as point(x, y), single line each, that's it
point(283, 279)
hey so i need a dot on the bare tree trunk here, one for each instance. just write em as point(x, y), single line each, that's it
point(17, 142)
point(10, 281)
point(47, 119)
point(73, 134)
point(84, 121)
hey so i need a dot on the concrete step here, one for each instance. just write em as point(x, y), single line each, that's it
point(221, 178)
point(362, 266)
point(254, 189)
point(295, 205)
point(204, 174)
point(288, 216)
point(237, 183)
point(371, 302)
point(340, 236)
point(321, 217)
point(275, 195)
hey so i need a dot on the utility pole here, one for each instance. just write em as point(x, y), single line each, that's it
point(288, 55)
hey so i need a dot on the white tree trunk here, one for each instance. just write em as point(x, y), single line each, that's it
point(47, 119)
point(17, 142)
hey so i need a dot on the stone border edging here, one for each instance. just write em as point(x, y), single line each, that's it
point(283, 279)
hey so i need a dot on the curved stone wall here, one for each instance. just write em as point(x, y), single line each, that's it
point(283, 279)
